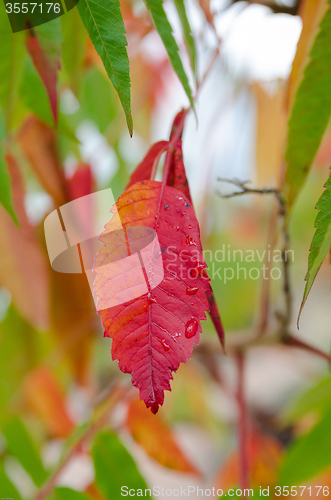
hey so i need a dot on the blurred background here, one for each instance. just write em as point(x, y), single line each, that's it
point(69, 418)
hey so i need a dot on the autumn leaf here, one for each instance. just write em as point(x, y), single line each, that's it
point(73, 310)
point(81, 182)
point(177, 178)
point(44, 46)
point(149, 163)
point(265, 454)
point(44, 395)
point(154, 333)
point(156, 438)
point(23, 267)
point(39, 144)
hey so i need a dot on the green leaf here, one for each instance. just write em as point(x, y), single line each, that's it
point(74, 39)
point(7, 489)
point(164, 29)
point(316, 399)
point(321, 241)
point(308, 456)
point(311, 111)
point(44, 47)
point(114, 466)
point(5, 188)
point(21, 445)
point(97, 99)
point(62, 493)
point(18, 354)
point(104, 23)
point(34, 94)
point(189, 41)
point(12, 59)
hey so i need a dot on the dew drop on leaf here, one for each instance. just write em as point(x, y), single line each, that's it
point(191, 328)
point(165, 346)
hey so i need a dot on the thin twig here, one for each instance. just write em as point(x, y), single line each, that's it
point(243, 427)
point(246, 190)
point(85, 438)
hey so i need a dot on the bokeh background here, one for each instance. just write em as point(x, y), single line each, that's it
point(68, 417)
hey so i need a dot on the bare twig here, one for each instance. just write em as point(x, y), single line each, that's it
point(247, 190)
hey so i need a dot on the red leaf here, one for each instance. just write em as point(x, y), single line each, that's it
point(47, 67)
point(81, 182)
point(178, 123)
point(177, 175)
point(154, 333)
point(177, 178)
point(144, 170)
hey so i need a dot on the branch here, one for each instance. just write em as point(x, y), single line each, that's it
point(243, 427)
point(277, 9)
point(246, 190)
point(116, 396)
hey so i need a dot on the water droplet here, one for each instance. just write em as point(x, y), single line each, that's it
point(189, 226)
point(191, 328)
point(182, 214)
point(166, 206)
point(190, 241)
point(177, 334)
point(177, 228)
point(165, 346)
point(191, 290)
point(154, 408)
point(151, 299)
point(186, 204)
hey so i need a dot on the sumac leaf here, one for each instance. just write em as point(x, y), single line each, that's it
point(321, 241)
point(153, 434)
point(164, 29)
point(44, 46)
point(154, 333)
point(6, 199)
point(144, 169)
point(104, 23)
point(189, 41)
point(311, 111)
point(177, 178)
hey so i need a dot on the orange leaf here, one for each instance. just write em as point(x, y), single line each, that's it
point(38, 142)
point(47, 66)
point(73, 311)
point(265, 455)
point(23, 266)
point(45, 396)
point(270, 133)
point(155, 437)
